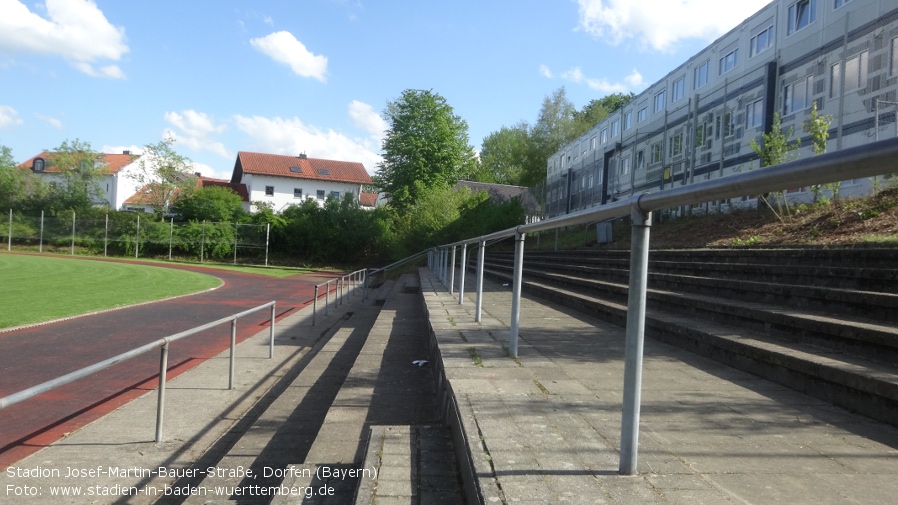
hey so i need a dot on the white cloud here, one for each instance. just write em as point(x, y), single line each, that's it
point(284, 48)
point(197, 130)
point(631, 82)
point(660, 24)
point(76, 30)
point(545, 72)
point(291, 136)
point(8, 116)
point(363, 116)
point(55, 123)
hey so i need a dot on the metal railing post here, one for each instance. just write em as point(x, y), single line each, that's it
point(73, 233)
point(635, 334)
point(461, 273)
point(452, 273)
point(9, 237)
point(233, 345)
point(40, 247)
point(479, 307)
point(271, 335)
point(516, 295)
point(315, 306)
point(160, 402)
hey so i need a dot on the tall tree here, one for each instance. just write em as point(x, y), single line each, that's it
point(597, 110)
point(12, 180)
point(213, 203)
point(426, 145)
point(78, 170)
point(164, 175)
point(504, 155)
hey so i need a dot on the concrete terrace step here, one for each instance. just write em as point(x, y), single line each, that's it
point(851, 361)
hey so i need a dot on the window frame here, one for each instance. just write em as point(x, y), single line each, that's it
point(660, 101)
point(678, 89)
point(789, 95)
point(615, 128)
point(642, 114)
point(754, 114)
point(657, 153)
point(675, 145)
point(297, 193)
point(793, 15)
point(725, 65)
point(269, 190)
point(702, 74)
point(754, 49)
point(628, 120)
point(624, 166)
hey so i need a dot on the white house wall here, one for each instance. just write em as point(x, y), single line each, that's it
point(284, 190)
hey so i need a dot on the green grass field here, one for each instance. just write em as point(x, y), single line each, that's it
point(43, 288)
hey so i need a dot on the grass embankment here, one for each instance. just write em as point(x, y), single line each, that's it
point(43, 288)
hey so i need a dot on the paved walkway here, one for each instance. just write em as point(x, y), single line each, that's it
point(545, 428)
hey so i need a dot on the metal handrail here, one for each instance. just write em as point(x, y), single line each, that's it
point(874, 159)
point(164, 342)
point(358, 277)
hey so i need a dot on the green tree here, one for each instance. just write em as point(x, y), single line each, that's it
point(76, 179)
point(597, 110)
point(164, 174)
point(12, 180)
point(817, 126)
point(212, 203)
point(776, 147)
point(504, 155)
point(427, 143)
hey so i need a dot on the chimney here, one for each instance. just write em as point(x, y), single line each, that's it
point(302, 156)
point(126, 152)
point(197, 174)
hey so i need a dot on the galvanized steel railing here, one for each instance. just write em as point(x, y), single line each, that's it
point(354, 280)
point(163, 364)
point(878, 158)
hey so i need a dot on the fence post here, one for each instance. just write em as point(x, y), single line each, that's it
point(267, 234)
point(233, 345)
point(106, 236)
point(9, 238)
point(461, 273)
point(479, 307)
point(452, 273)
point(315, 306)
point(635, 333)
point(327, 292)
point(160, 402)
point(40, 245)
point(203, 241)
point(137, 242)
point(271, 335)
point(516, 295)
point(73, 233)
point(171, 235)
point(235, 242)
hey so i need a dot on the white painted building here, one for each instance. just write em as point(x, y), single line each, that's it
point(115, 184)
point(283, 180)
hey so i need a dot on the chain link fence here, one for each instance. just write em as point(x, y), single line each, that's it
point(135, 235)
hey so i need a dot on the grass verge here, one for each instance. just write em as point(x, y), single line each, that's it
point(44, 288)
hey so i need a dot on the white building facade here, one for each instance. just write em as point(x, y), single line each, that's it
point(697, 123)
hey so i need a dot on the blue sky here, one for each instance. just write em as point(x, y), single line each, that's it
point(314, 76)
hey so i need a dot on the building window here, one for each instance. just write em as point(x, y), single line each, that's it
point(323, 171)
point(761, 41)
point(38, 165)
point(659, 102)
point(335, 195)
point(604, 136)
point(678, 91)
point(297, 192)
point(615, 128)
point(296, 170)
point(320, 194)
point(701, 134)
point(625, 165)
point(797, 96)
point(701, 74)
point(657, 152)
point(754, 114)
point(676, 144)
point(269, 190)
point(641, 115)
point(725, 124)
point(628, 116)
point(592, 142)
point(840, 3)
point(800, 15)
point(728, 62)
point(855, 74)
point(640, 160)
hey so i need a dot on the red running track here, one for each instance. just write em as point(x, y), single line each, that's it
point(34, 355)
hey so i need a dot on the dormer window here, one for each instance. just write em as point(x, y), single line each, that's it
point(296, 170)
point(38, 165)
point(323, 171)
